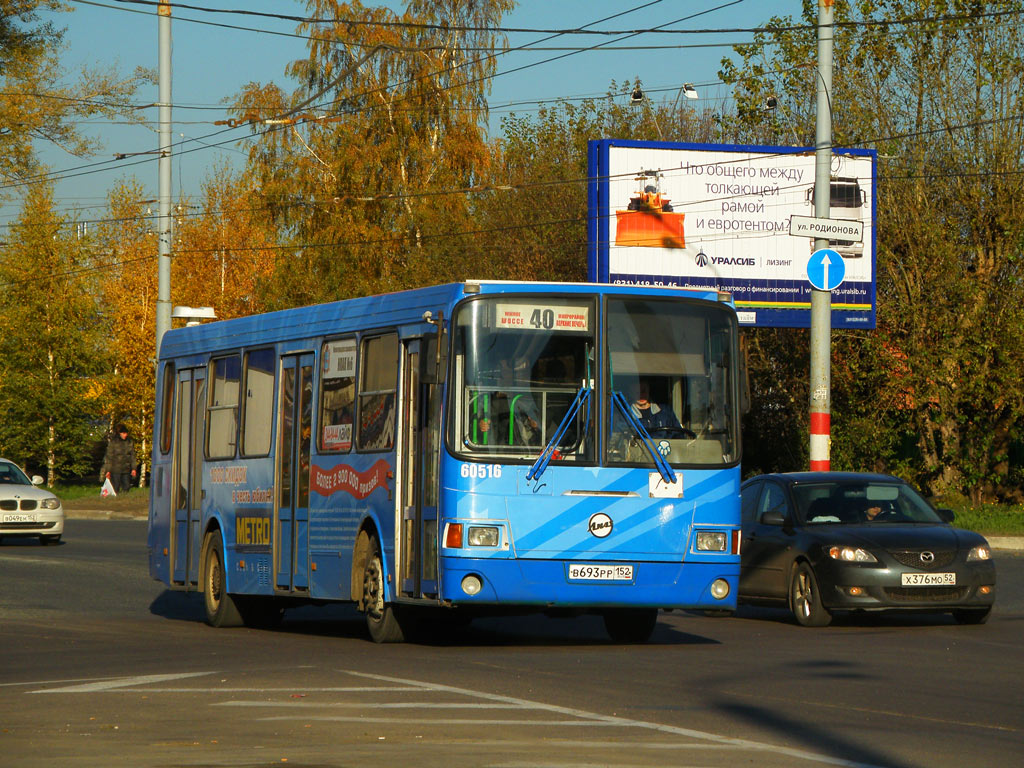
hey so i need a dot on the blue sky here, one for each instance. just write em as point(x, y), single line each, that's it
point(212, 62)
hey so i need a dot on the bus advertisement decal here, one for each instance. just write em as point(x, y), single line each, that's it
point(252, 533)
point(350, 480)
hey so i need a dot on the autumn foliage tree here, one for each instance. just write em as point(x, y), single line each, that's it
point(937, 86)
point(387, 118)
point(51, 329)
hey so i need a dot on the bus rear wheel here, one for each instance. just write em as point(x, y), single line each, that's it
point(221, 609)
point(630, 625)
point(381, 617)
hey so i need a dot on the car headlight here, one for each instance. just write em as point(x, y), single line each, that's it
point(851, 555)
point(981, 552)
point(50, 504)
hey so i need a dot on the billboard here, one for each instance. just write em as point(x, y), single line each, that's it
point(718, 216)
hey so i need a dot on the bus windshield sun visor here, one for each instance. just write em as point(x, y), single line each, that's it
point(551, 449)
point(667, 474)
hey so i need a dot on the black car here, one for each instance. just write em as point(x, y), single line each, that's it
point(821, 542)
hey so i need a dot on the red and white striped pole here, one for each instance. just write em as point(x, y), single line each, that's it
point(821, 301)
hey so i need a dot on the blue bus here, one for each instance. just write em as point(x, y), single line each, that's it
point(450, 451)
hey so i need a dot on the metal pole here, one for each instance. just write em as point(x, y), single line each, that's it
point(163, 296)
point(821, 301)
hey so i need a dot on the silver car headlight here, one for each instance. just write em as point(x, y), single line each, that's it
point(981, 552)
point(50, 504)
point(851, 555)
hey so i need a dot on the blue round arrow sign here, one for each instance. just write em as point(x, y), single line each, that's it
point(826, 269)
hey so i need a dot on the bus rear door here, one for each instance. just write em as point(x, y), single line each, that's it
point(291, 515)
point(418, 449)
point(188, 475)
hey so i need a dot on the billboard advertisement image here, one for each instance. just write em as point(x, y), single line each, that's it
point(721, 216)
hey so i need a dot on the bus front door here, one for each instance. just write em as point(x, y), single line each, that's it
point(291, 516)
point(187, 487)
point(419, 435)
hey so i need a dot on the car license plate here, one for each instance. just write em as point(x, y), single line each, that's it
point(19, 518)
point(600, 572)
point(928, 579)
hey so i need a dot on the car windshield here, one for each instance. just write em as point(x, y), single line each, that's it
point(858, 502)
point(11, 475)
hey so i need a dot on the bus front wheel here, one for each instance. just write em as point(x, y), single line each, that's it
point(381, 617)
point(221, 609)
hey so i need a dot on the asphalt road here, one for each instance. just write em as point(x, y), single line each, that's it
point(101, 666)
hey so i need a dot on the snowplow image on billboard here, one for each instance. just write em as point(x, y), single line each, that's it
point(649, 220)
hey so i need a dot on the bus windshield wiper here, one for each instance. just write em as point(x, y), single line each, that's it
point(582, 398)
point(667, 474)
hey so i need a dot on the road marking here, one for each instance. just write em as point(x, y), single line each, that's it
point(579, 717)
point(626, 722)
point(378, 705)
point(121, 682)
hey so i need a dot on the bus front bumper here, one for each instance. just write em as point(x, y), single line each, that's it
point(590, 584)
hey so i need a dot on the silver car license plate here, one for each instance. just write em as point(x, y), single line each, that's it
point(20, 518)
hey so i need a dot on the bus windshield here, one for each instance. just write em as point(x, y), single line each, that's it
point(672, 363)
point(520, 363)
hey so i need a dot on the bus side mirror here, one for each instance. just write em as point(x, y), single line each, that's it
point(435, 367)
point(744, 379)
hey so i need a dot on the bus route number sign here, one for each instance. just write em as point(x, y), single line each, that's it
point(530, 316)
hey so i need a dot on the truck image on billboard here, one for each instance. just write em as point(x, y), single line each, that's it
point(718, 216)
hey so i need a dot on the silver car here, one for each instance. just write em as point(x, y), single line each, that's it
point(26, 510)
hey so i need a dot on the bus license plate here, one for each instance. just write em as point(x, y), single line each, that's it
point(600, 572)
point(19, 518)
point(928, 579)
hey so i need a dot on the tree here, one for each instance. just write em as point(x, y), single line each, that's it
point(532, 217)
point(35, 106)
point(50, 328)
point(224, 257)
point(936, 86)
point(388, 118)
point(221, 258)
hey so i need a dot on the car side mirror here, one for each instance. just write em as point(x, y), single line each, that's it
point(773, 517)
point(37, 480)
point(946, 515)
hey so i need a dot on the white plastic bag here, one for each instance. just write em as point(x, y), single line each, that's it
point(107, 489)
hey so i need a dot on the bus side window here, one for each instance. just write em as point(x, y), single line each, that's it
point(337, 395)
point(258, 406)
point(167, 409)
point(222, 414)
point(378, 384)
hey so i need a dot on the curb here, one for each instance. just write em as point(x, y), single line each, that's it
point(103, 514)
point(1012, 543)
point(1006, 542)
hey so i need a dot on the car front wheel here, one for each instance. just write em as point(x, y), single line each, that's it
point(805, 599)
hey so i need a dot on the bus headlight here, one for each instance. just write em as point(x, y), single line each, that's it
point(472, 584)
point(711, 541)
point(483, 536)
point(720, 589)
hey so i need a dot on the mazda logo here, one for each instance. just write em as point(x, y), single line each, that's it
point(927, 557)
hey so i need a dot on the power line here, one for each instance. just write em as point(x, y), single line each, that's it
point(566, 31)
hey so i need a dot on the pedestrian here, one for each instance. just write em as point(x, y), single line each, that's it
point(119, 460)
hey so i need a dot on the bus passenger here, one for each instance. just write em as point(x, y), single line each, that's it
point(514, 412)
